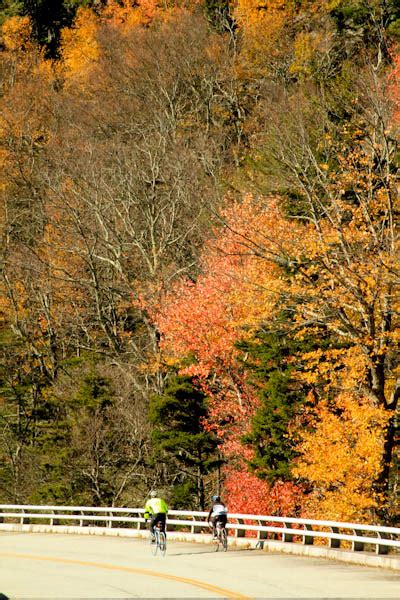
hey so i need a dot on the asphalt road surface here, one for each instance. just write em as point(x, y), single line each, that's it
point(78, 566)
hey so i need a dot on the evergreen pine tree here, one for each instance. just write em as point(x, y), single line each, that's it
point(273, 360)
point(181, 441)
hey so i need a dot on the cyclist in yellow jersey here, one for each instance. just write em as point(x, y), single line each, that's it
point(156, 510)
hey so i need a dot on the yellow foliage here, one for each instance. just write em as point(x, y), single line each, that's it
point(342, 369)
point(261, 23)
point(304, 48)
point(16, 33)
point(60, 252)
point(341, 458)
point(4, 307)
point(79, 46)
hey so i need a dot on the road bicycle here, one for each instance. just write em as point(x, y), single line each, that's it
point(160, 541)
point(222, 537)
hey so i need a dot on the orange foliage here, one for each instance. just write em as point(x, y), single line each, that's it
point(198, 320)
point(130, 14)
point(237, 287)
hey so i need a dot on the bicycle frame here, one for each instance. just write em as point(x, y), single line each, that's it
point(222, 536)
point(160, 541)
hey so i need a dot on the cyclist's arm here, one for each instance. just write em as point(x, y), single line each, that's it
point(148, 511)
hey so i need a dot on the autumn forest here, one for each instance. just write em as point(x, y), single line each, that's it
point(200, 254)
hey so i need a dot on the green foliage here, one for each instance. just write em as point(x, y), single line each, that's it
point(30, 428)
point(94, 393)
point(219, 14)
point(183, 495)
point(48, 18)
point(369, 20)
point(351, 15)
point(10, 8)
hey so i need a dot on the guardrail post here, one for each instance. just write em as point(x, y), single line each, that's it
point(240, 532)
point(110, 523)
point(287, 537)
point(357, 546)
point(24, 520)
point(262, 535)
point(334, 542)
point(381, 549)
point(195, 528)
point(308, 540)
point(54, 521)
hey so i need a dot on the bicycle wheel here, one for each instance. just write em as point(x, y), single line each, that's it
point(155, 545)
point(224, 539)
point(218, 541)
point(162, 543)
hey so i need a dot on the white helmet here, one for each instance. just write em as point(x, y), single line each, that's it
point(153, 493)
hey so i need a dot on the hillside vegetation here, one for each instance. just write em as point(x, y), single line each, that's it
point(200, 285)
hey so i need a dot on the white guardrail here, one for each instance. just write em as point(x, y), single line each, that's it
point(358, 536)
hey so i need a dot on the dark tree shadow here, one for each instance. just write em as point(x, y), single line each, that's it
point(4, 597)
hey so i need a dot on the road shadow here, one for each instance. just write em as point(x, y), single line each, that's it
point(211, 551)
point(186, 553)
point(4, 597)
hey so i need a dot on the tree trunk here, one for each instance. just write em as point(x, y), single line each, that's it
point(383, 483)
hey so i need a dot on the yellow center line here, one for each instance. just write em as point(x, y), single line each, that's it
point(194, 582)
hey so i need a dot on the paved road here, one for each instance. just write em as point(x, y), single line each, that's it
point(67, 566)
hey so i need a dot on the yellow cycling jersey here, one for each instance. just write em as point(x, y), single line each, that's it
point(154, 506)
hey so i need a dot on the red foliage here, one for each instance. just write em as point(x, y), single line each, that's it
point(199, 326)
point(247, 494)
point(202, 322)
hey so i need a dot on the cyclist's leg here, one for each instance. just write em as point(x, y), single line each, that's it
point(161, 519)
point(163, 522)
point(222, 519)
point(151, 526)
point(214, 526)
point(224, 533)
point(224, 538)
